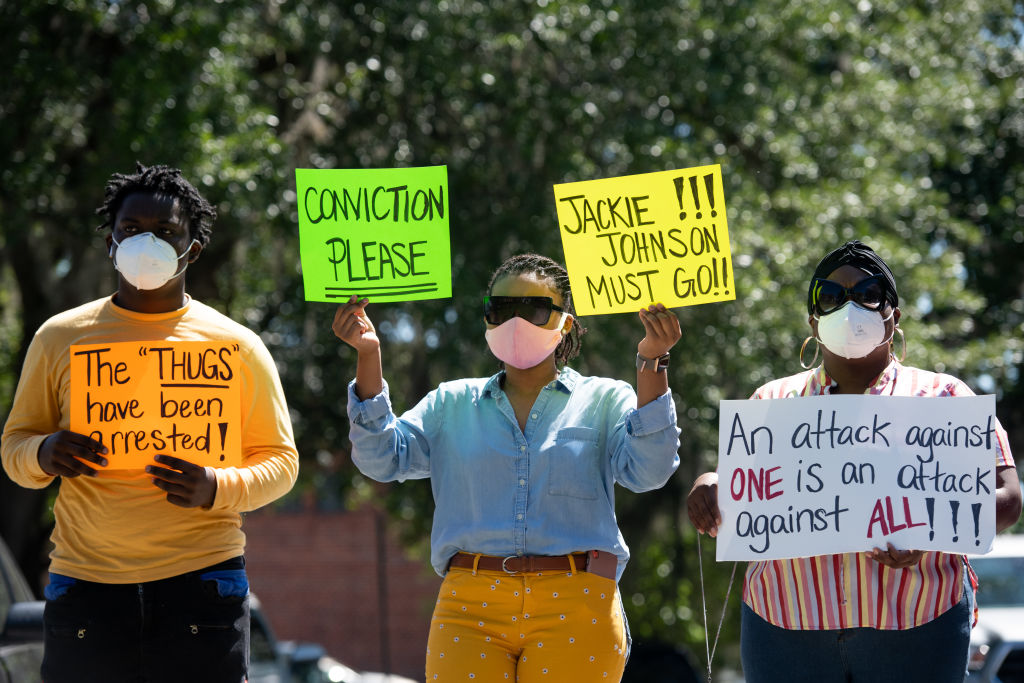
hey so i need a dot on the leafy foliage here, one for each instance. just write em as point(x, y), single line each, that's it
point(897, 123)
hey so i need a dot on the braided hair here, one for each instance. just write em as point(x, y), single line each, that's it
point(556, 274)
point(159, 180)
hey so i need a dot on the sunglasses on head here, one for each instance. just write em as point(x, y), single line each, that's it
point(828, 295)
point(532, 309)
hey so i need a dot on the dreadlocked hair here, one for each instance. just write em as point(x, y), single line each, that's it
point(556, 274)
point(159, 180)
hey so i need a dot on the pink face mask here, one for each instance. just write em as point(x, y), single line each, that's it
point(522, 344)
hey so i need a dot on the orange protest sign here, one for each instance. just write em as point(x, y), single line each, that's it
point(141, 399)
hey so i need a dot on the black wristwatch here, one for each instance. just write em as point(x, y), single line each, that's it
point(659, 364)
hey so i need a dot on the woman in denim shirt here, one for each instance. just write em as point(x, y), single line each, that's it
point(522, 467)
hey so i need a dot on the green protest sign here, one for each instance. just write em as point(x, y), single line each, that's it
point(376, 233)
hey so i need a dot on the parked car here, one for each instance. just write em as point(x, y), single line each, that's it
point(997, 642)
point(21, 618)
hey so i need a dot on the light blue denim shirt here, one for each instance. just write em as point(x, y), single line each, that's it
point(499, 491)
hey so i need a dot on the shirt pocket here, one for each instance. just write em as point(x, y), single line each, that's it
point(573, 463)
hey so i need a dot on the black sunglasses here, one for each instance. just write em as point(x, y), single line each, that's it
point(533, 309)
point(828, 296)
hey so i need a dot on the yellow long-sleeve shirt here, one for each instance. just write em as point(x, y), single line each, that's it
point(123, 530)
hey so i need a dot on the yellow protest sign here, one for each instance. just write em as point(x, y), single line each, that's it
point(636, 240)
point(141, 399)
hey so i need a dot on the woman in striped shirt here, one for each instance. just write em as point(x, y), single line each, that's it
point(888, 614)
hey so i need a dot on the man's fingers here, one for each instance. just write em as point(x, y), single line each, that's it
point(71, 461)
point(67, 453)
point(166, 474)
point(170, 487)
point(83, 442)
point(72, 468)
point(176, 463)
point(86, 454)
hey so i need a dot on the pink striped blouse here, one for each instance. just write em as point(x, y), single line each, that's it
point(851, 590)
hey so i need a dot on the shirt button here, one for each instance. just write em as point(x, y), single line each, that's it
point(522, 448)
point(533, 417)
point(519, 516)
point(522, 482)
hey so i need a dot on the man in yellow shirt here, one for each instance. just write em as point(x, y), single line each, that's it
point(147, 574)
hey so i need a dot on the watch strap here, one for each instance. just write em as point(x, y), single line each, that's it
point(659, 364)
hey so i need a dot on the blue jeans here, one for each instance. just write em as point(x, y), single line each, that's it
point(935, 652)
point(193, 627)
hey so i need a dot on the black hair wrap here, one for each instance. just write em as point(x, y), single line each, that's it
point(858, 255)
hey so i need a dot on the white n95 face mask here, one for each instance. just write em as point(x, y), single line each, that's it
point(851, 331)
point(148, 262)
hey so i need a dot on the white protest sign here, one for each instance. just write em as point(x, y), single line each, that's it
point(799, 477)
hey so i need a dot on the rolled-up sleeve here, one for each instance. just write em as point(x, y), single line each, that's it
point(645, 443)
point(387, 448)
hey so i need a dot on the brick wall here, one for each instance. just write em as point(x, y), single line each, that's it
point(341, 579)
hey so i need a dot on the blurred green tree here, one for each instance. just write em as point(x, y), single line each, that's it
point(897, 123)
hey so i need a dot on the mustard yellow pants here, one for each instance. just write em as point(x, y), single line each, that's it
point(542, 626)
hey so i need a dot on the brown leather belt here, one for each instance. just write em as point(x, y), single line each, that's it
point(593, 561)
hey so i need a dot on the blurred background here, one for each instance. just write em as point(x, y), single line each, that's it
point(896, 122)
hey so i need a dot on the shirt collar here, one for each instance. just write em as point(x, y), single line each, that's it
point(883, 380)
point(128, 314)
point(566, 380)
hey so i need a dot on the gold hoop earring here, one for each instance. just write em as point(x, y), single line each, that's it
point(904, 338)
point(804, 346)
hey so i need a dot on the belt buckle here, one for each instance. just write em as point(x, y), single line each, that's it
point(506, 569)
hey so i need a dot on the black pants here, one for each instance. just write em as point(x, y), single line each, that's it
point(930, 653)
point(193, 627)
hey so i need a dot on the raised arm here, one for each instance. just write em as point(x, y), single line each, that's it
point(353, 326)
point(663, 331)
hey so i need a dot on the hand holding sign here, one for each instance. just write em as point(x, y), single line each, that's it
point(187, 485)
point(62, 454)
point(895, 558)
point(702, 504)
point(352, 326)
point(663, 331)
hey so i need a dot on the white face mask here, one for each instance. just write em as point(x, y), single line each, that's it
point(522, 344)
point(147, 262)
point(851, 331)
